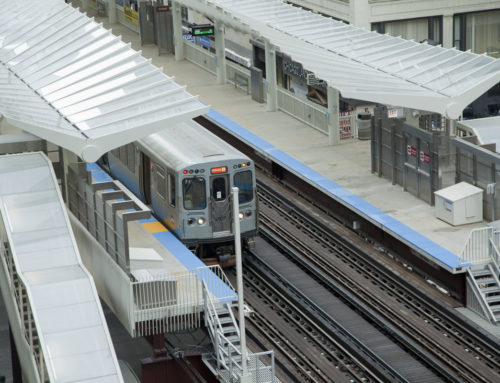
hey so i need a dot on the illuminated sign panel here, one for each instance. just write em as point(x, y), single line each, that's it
point(219, 170)
point(202, 30)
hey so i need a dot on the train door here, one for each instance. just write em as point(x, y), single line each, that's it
point(145, 178)
point(220, 204)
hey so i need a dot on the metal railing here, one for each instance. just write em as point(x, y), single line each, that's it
point(306, 111)
point(477, 248)
point(229, 355)
point(23, 305)
point(173, 301)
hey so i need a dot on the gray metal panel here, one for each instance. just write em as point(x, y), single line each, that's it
point(66, 308)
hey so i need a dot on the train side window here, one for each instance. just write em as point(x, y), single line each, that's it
point(243, 181)
point(160, 182)
point(171, 190)
point(194, 193)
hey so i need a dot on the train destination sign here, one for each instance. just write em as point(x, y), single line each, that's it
point(202, 30)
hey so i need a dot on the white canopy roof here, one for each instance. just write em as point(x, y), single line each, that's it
point(361, 64)
point(65, 78)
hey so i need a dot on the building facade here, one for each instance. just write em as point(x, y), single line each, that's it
point(464, 24)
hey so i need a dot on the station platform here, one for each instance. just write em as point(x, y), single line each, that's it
point(347, 164)
point(155, 252)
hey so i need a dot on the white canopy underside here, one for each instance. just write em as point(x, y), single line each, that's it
point(361, 64)
point(65, 78)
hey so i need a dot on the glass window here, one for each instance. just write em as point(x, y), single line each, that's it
point(219, 192)
point(416, 29)
point(482, 33)
point(194, 194)
point(243, 181)
point(160, 182)
point(171, 185)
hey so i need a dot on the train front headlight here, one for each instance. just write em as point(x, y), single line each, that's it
point(201, 221)
point(240, 215)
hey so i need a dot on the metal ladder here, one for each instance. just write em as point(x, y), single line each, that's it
point(225, 335)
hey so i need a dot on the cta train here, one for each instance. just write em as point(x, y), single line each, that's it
point(185, 173)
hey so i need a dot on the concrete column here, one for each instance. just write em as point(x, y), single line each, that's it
point(220, 52)
point(112, 11)
point(333, 117)
point(177, 27)
point(85, 5)
point(447, 31)
point(272, 92)
point(359, 14)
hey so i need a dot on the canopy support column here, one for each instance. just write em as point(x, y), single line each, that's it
point(112, 11)
point(333, 116)
point(272, 92)
point(177, 26)
point(85, 5)
point(220, 52)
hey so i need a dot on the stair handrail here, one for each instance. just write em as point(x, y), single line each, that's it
point(476, 249)
point(479, 296)
point(495, 256)
point(209, 318)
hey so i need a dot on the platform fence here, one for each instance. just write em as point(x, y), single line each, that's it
point(477, 248)
point(173, 302)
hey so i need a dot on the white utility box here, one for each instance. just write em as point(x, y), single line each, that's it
point(459, 204)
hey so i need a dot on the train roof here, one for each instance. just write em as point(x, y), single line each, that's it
point(186, 144)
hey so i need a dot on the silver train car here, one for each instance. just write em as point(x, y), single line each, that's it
point(185, 173)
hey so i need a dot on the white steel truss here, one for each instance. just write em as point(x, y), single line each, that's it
point(66, 79)
point(362, 64)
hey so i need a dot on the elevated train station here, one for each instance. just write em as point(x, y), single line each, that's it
point(152, 283)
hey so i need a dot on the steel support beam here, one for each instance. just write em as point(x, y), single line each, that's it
point(333, 116)
point(177, 26)
point(272, 91)
point(112, 11)
point(220, 52)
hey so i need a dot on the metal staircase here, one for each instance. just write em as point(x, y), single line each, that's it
point(487, 288)
point(226, 360)
point(483, 284)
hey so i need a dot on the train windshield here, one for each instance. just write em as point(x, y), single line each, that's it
point(243, 180)
point(194, 193)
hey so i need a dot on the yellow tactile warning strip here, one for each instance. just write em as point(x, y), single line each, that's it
point(154, 227)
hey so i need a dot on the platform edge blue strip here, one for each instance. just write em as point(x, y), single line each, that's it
point(440, 254)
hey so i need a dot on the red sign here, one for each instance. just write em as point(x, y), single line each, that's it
point(425, 158)
point(413, 151)
point(162, 8)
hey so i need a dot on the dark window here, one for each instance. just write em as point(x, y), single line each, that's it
point(194, 194)
point(171, 185)
point(243, 181)
point(219, 189)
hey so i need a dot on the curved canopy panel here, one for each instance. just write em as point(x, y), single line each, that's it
point(66, 79)
point(361, 64)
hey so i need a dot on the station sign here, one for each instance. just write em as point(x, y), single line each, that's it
point(394, 113)
point(202, 30)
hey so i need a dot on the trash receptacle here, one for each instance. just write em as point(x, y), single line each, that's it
point(363, 123)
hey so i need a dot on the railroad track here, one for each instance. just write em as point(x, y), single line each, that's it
point(306, 350)
point(431, 332)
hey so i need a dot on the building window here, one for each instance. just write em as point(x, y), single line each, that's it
point(482, 32)
point(423, 29)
